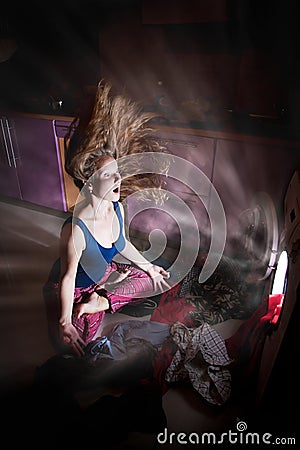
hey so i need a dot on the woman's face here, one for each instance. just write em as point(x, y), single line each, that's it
point(106, 181)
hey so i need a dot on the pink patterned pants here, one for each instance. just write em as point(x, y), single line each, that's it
point(137, 284)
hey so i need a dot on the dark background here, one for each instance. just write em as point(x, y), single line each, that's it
point(241, 56)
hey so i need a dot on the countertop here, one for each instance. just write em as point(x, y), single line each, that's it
point(256, 129)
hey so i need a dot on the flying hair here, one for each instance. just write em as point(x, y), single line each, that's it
point(117, 127)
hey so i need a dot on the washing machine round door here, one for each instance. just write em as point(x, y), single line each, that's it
point(259, 234)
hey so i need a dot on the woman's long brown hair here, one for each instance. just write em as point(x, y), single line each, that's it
point(118, 127)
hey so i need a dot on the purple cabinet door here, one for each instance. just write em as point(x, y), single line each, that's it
point(38, 162)
point(9, 183)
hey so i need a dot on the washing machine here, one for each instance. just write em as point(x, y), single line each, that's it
point(277, 380)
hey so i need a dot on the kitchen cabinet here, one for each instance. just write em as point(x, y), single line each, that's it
point(237, 165)
point(30, 161)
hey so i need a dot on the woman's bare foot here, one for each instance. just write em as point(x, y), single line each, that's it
point(95, 304)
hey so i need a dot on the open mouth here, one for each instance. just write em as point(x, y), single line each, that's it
point(116, 190)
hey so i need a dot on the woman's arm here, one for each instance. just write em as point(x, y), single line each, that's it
point(157, 273)
point(131, 253)
point(69, 256)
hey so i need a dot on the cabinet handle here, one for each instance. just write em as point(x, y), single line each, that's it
point(11, 144)
point(5, 143)
point(8, 144)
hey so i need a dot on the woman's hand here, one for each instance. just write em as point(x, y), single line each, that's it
point(159, 276)
point(71, 338)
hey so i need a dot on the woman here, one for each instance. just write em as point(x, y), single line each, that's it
point(85, 280)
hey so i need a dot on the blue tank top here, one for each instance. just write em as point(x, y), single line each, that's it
point(95, 257)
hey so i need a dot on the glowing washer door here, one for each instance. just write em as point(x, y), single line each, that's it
point(260, 234)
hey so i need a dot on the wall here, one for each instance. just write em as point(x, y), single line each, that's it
point(195, 59)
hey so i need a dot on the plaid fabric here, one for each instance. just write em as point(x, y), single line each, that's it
point(202, 359)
